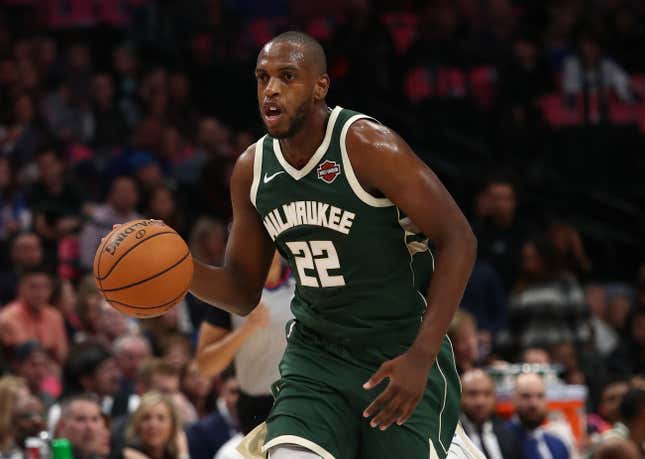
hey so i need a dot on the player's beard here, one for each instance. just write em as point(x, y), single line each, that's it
point(296, 123)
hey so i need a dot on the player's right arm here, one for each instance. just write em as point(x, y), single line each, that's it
point(237, 285)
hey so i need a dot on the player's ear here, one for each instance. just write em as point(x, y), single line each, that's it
point(322, 87)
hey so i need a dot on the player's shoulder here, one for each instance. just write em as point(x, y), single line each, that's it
point(368, 135)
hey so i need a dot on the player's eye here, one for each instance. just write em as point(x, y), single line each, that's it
point(262, 77)
point(288, 76)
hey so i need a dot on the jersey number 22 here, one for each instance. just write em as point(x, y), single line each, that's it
point(320, 256)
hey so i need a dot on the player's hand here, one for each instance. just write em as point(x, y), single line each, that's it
point(408, 375)
point(259, 317)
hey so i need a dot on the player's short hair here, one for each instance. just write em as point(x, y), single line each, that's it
point(312, 47)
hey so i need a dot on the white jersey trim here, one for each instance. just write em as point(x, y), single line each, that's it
point(297, 174)
point(257, 170)
point(296, 440)
point(349, 170)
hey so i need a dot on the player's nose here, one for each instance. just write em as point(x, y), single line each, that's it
point(272, 88)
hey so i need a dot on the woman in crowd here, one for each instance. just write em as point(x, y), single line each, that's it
point(154, 431)
point(12, 390)
point(546, 307)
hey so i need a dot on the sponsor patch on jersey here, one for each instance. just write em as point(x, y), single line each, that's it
point(328, 171)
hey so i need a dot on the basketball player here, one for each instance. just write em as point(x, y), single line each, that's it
point(368, 371)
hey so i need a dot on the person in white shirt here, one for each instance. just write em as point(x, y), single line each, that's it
point(255, 344)
point(478, 418)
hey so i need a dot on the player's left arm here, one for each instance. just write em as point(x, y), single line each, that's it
point(385, 165)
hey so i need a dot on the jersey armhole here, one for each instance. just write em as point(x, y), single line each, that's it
point(357, 188)
point(257, 171)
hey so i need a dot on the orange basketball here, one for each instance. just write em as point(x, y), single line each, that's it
point(143, 268)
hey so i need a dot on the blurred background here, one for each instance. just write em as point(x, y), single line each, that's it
point(531, 112)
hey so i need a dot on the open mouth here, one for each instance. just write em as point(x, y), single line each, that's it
point(271, 113)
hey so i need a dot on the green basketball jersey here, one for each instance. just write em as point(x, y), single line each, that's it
point(362, 267)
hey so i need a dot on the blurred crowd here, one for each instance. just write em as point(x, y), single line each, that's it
point(114, 110)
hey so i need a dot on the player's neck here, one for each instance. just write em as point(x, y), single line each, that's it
point(298, 149)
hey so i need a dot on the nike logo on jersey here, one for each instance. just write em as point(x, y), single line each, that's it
point(268, 178)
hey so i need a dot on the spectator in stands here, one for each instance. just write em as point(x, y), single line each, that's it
point(177, 350)
point(25, 252)
point(605, 338)
point(89, 307)
point(207, 243)
point(126, 66)
point(199, 389)
point(162, 205)
point(570, 250)
point(161, 376)
point(31, 362)
point(158, 329)
point(629, 358)
point(112, 324)
point(12, 390)
point(592, 71)
point(109, 126)
point(181, 111)
point(65, 300)
point(155, 430)
point(255, 343)
point(131, 353)
point(463, 334)
point(29, 419)
point(523, 79)
point(92, 369)
point(64, 118)
point(608, 412)
point(15, 215)
point(213, 140)
point(207, 436)
point(618, 449)
point(485, 299)
point(620, 298)
point(147, 170)
point(581, 366)
point(55, 199)
point(500, 235)
point(546, 308)
point(83, 425)
point(536, 356)
point(478, 418)
point(119, 207)
point(29, 317)
point(23, 137)
point(632, 425)
point(529, 400)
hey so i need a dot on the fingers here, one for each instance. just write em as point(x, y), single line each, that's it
point(386, 417)
point(406, 413)
point(377, 377)
point(379, 403)
point(392, 406)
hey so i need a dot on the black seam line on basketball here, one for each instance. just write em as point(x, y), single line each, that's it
point(98, 267)
point(151, 277)
point(147, 307)
point(128, 251)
